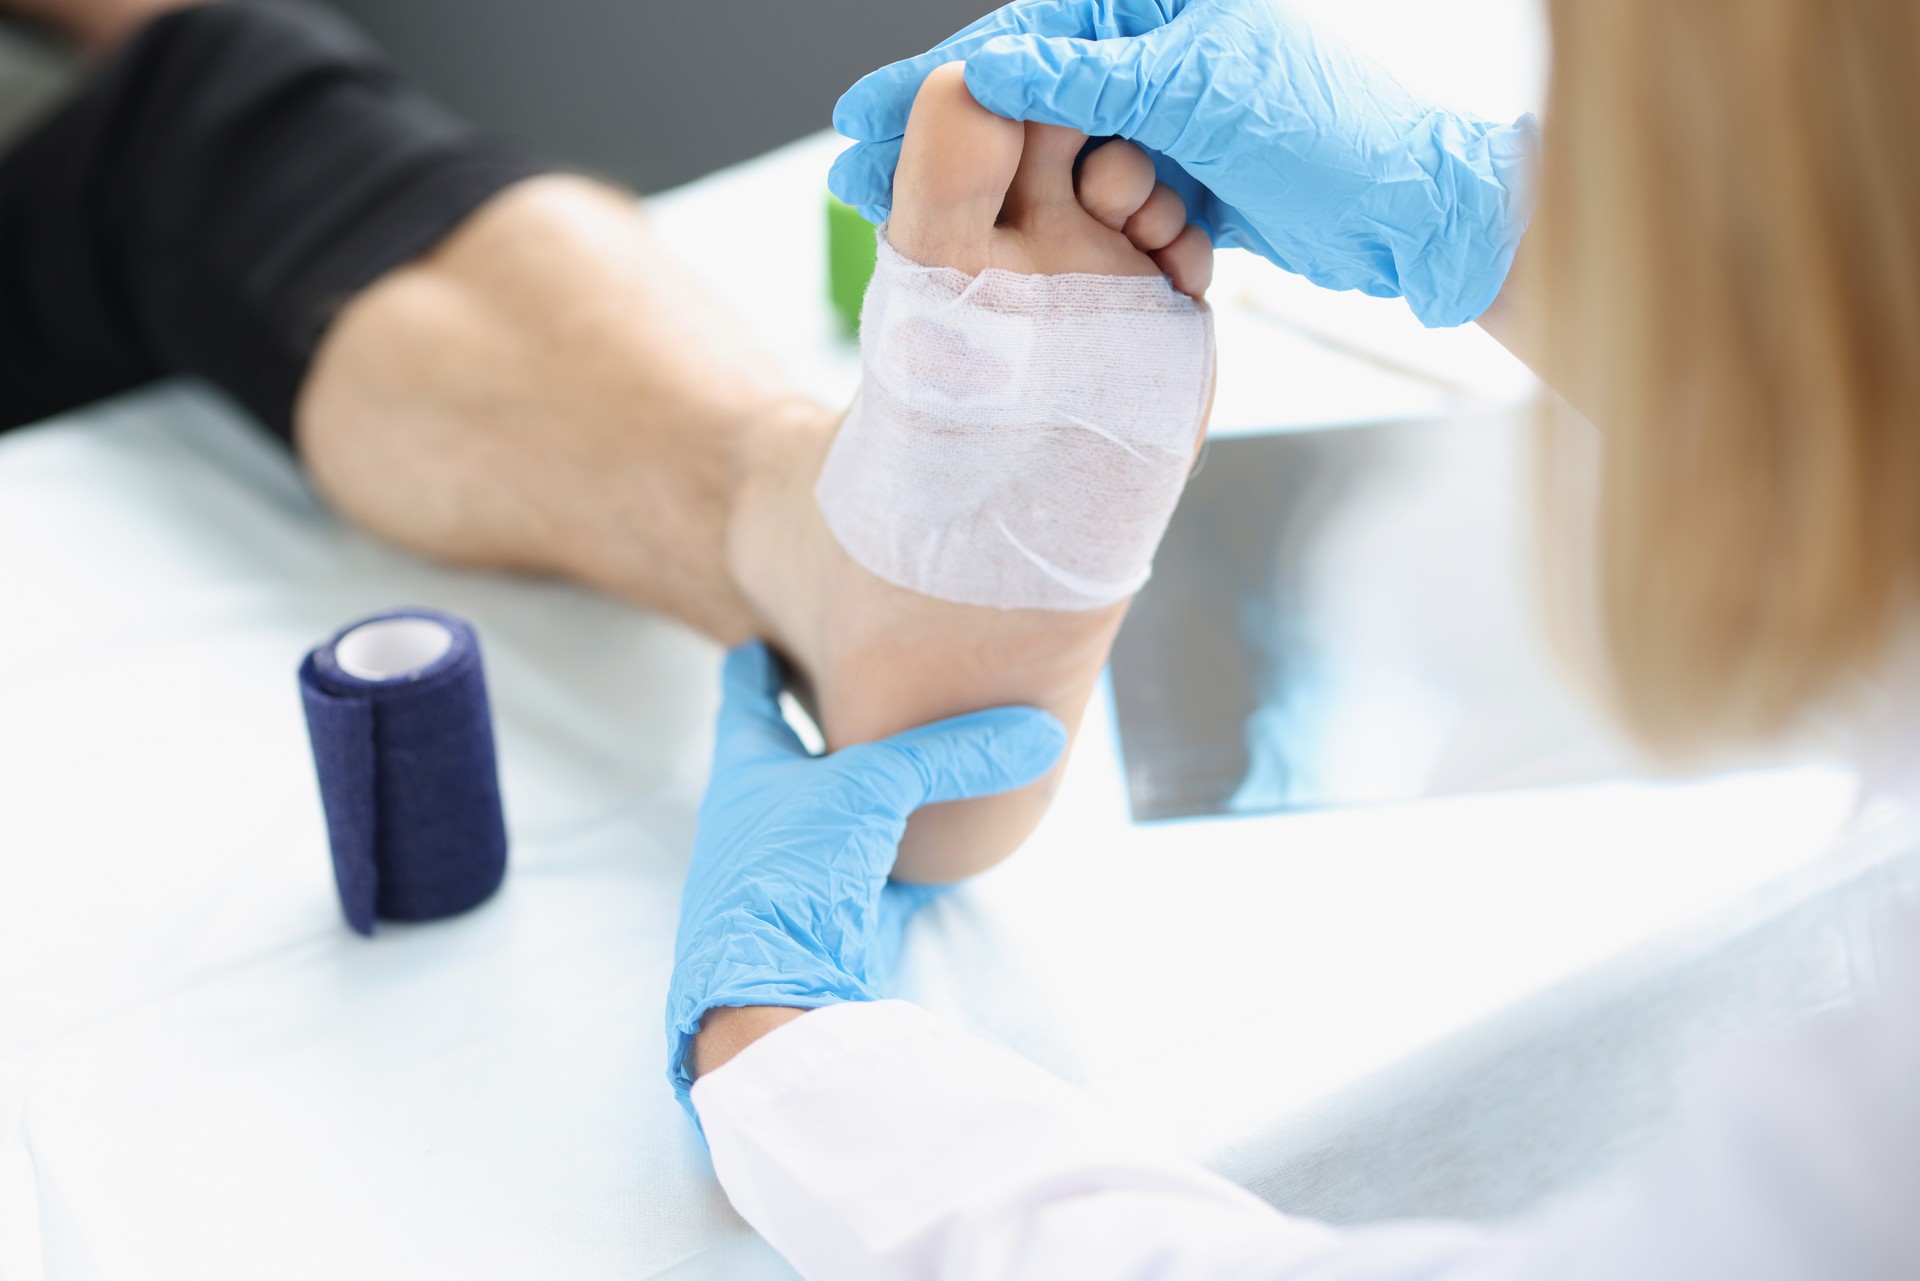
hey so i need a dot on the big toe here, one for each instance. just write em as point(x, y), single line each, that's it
point(974, 190)
point(957, 162)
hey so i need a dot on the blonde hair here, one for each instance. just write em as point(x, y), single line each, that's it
point(1726, 262)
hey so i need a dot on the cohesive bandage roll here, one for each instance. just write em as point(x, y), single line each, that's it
point(1018, 441)
point(403, 746)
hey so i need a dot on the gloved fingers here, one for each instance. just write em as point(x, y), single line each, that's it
point(751, 726)
point(904, 898)
point(980, 754)
point(862, 175)
point(1193, 193)
point(1100, 87)
point(874, 111)
point(877, 106)
point(1223, 225)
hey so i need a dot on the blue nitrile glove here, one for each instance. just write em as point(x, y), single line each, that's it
point(1281, 140)
point(787, 900)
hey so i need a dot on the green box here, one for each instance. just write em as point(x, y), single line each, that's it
point(852, 252)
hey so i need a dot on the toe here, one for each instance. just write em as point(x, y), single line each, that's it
point(1158, 220)
point(956, 164)
point(1188, 261)
point(1045, 177)
point(1050, 230)
point(1115, 180)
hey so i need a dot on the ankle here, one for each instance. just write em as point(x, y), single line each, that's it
point(764, 450)
point(770, 513)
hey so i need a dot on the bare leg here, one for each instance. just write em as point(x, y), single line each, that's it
point(545, 392)
point(541, 391)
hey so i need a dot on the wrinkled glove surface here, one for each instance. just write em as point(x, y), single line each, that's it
point(787, 900)
point(1282, 140)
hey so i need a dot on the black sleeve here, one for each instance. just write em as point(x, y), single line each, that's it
point(208, 200)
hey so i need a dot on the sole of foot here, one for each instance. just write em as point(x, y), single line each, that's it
point(972, 191)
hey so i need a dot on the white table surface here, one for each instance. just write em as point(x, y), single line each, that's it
point(202, 1073)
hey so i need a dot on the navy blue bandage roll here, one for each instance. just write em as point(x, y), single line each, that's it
point(403, 743)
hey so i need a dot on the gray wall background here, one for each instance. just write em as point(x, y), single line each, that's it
point(649, 92)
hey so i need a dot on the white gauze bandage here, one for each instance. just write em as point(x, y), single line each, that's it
point(1018, 441)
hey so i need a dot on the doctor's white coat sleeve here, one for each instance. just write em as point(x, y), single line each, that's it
point(871, 1141)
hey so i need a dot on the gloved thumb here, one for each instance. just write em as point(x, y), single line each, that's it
point(751, 727)
point(1102, 88)
point(980, 754)
point(862, 176)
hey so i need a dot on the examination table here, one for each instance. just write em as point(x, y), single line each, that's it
point(1455, 1006)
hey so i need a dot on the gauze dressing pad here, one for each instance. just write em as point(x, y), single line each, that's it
point(1018, 441)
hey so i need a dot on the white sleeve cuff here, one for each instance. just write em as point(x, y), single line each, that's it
point(870, 1140)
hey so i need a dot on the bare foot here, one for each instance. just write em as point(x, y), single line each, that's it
point(972, 191)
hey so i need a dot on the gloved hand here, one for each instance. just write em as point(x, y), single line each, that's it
point(1281, 140)
point(787, 900)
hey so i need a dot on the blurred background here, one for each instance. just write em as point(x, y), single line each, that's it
point(655, 94)
point(650, 93)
